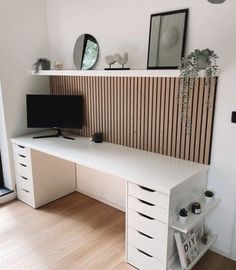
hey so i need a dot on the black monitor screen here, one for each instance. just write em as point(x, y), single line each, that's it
point(44, 111)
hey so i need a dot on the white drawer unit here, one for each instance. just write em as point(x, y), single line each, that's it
point(147, 218)
point(148, 195)
point(24, 183)
point(146, 243)
point(41, 178)
point(23, 172)
point(142, 260)
point(21, 150)
point(147, 225)
point(21, 159)
point(25, 195)
point(147, 208)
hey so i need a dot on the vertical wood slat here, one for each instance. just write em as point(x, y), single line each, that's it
point(145, 113)
point(154, 110)
point(166, 116)
point(209, 129)
point(199, 120)
point(158, 114)
point(174, 119)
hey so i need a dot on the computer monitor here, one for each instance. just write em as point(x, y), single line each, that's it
point(54, 111)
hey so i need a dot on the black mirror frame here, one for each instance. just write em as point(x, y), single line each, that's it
point(93, 39)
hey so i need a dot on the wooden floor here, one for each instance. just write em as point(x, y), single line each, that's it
point(75, 232)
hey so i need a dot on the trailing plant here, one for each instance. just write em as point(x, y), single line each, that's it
point(42, 63)
point(204, 237)
point(189, 68)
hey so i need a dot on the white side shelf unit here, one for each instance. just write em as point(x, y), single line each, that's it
point(193, 221)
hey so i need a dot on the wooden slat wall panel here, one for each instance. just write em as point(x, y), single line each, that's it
point(145, 113)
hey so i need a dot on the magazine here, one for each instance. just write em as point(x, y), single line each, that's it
point(187, 247)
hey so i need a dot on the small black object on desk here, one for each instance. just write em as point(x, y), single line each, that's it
point(97, 137)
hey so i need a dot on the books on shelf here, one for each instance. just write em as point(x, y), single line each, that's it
point(187, 247)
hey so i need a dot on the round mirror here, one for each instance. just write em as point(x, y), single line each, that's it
point(216, 1)
point(85, 52)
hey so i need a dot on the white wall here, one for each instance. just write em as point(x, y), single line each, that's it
point(124, 26)
point(23, 31)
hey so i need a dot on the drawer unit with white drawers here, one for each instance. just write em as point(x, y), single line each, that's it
point(23, 173)
point(147, 229)
point(41, 178)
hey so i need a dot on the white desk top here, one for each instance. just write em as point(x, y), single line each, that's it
point(141, 167)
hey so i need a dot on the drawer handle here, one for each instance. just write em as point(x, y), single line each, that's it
point(22, 156)
point(25, 190)
point(23, 165)
point(21, 146)
point(145, 235)
point(25, 178)
point(145, 216)
point(150, 204)
point(145, 253)
point(147, 189)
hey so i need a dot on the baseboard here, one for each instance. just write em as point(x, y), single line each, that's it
point(220, 251)
point(101, 199)
point(5, 191)
point(7, 198)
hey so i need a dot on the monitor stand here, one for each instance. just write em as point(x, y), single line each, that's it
point(58, 134)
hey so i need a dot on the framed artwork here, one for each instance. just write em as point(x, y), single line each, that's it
point(167, 39)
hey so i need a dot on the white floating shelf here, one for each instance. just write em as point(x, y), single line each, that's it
point(202, 250)
point(110, 73)
point(193, 219)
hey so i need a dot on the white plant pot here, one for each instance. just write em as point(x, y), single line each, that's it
point(183, 220)
point(208, 199)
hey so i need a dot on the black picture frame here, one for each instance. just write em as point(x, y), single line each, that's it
point(178, 32)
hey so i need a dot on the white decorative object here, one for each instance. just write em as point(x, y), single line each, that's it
point(58, 65)
point(208, 199)
point(208, 196)
point(121, 60)
point(111, 59)
point(183, 216)
point(183, 220)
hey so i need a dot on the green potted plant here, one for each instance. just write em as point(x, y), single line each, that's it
point(190, 68)
point(199, 60)
point(208, 196)
point(41, 63)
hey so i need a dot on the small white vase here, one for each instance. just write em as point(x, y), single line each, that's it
point(208, 199)
point(183, 220)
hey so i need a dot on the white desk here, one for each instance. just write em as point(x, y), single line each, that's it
point(156, 187)
point(140, 167)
